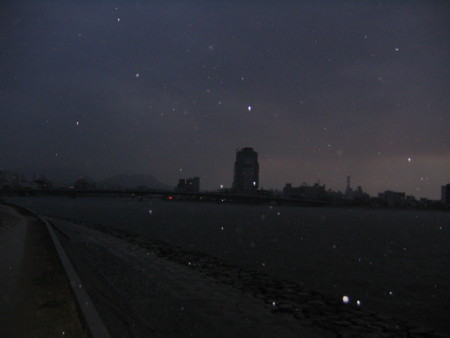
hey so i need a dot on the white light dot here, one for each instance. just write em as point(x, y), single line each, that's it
point(273, 303)
point(150, 211)
point(345, 299)
point(221, 186)
point(358, 303)
point(118, 19)
point(78, 123)
point(409, 159)
point(137, 75)
point(397, 49)
point(390, 293)
point(249, 108)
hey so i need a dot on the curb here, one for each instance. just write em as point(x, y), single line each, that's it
point(91, 316)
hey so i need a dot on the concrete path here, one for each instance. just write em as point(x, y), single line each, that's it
point(13, 231)
point(35, 296)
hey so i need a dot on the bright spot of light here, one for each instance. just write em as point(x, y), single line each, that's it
point(78, 123)
point(150, 211)
point(345, 299)
point(409, 159)
point(137, 75)
point(118, 19)
point(221, 186)
point(358, 302)
point(249, 108)
point(254, 183)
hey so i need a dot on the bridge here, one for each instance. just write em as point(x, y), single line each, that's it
point(205, 196)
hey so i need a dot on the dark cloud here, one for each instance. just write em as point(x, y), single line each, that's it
point(336, 88)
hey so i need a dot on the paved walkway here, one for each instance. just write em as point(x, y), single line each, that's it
point(35, 296)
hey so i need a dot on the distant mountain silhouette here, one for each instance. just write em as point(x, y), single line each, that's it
point(125, 181)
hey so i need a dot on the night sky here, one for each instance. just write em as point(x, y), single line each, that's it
point(320, 89)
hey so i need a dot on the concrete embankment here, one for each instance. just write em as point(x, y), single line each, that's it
point(177, 289)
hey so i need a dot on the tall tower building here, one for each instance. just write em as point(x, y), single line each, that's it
point(246, 170)
point(445, 194)
point(349, 194)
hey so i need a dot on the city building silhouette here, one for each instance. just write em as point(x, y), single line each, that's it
point(188, 185)
point(445, 194)
point(392, 198)
point(246, 171)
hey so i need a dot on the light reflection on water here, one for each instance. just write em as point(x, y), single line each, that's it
point(395, 261)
